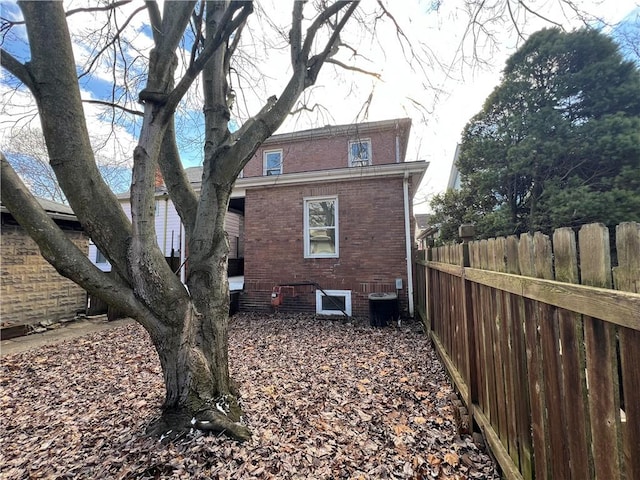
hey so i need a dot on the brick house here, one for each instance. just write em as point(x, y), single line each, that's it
point(330, 208)
point(31, 289)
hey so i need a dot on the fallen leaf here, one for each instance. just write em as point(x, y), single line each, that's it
point(452, 459)
point(87, 401)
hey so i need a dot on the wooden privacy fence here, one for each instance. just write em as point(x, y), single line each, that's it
point(542, 340)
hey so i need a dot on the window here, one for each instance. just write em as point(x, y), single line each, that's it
point(333, 302)
point(321, 227)
point(100, 258)
point(273, 162)
point(360, 153)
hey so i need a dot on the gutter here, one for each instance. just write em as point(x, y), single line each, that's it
point(417, 168)
point(407, 233)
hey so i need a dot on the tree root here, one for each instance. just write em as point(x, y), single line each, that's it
point(174, 425)
point(211, 420)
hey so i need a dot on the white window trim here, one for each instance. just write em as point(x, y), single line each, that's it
point(359, 140)
point(307, 236)
point(333, 293)
point(264, 160)
point(93, 256)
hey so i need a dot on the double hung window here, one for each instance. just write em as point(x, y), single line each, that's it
point(273, 162)
point(360, 153)
point(321, 227)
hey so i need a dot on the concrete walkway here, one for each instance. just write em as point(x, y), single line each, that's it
point(64, 332)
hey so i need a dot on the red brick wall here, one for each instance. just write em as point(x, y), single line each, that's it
point(325, 153)
point(371, 243)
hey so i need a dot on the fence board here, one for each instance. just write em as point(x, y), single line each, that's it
point(534, 370)
point(602, 365)
point(548, 338)
point(500, 334)
point(574, 387)
point(627, 277)
point(469, 335)
point(615, 307)
point(489, 335)
point(521, 407)
point(474, 260)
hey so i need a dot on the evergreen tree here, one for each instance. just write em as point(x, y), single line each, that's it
point(557, 143)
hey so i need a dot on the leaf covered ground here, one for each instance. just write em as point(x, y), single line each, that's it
point(325, 400)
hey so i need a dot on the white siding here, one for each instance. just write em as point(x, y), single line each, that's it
point(234, 226)
point(169, 231)
point(170, 234)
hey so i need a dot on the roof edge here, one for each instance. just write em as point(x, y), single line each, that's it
point(332, 130)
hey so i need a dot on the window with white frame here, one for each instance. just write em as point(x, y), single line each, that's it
point(360, 153)
point(321, 227)
point(100, 258)
point(333, 302)
point(273, 162)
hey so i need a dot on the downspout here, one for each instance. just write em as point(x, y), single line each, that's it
point(166, 220)
point(407, 234)
point(397, 143)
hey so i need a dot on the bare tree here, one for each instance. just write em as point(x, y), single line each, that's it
point(26, 151)
point(194, 43)
point(188, 326)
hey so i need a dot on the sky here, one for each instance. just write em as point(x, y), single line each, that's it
point(439, 74)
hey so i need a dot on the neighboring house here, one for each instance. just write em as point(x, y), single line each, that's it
point(170, 233)
point(427, 232)
point(455, 179)
point(31, 290)
point(321, 211)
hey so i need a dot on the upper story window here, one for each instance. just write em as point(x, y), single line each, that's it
point(360, 153)
point(273, 162)
point(321, 227)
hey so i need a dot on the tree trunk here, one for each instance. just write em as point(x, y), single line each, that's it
point(194, 353)
point(198, 389)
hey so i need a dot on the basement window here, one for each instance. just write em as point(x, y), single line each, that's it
point(333, 302)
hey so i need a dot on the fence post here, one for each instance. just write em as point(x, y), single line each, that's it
point(466, 233)
point(428, 287)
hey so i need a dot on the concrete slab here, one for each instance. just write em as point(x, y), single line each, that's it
point(64, 332)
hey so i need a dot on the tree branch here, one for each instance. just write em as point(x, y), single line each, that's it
point(111, 6)
point(180, 190)
point(58, 249)
point(155, 18)
point(276, 110)
point(315, 63)
point(17, 69)
point(229, 25)
point(295, 35)
point(112, 41)
point(542, 17)
point(137, 113)
point(353, 68)
point(175, 19)
point(320, 20)
point(197, 19)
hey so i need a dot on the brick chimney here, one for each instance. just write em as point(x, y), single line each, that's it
point(159, 179)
